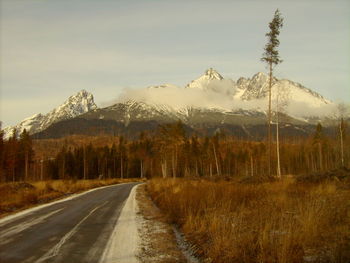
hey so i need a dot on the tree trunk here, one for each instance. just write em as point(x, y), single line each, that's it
point(164, 169)
point(341, 143)
point(251, 166)
point(41, 169)
point(26, 166)
point(63, 168)
point(151, 167)
point(269, 120)
point(173, 164)
point(121, 166)
point(84, 163)
point(13, 169)
point(114, 168)
point(320, 156)
point(277, 143)
point(216, 161)
point(141, 169)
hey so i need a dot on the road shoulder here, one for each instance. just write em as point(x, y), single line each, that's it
point(123, 244)
point(157, 240)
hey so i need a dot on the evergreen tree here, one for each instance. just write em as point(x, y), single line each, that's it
point(271, 58)
point(26, 152)
point(12, 156)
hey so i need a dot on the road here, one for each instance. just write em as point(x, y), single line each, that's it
point(75, 230)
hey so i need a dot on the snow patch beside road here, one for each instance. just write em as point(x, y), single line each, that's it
point(123, 245)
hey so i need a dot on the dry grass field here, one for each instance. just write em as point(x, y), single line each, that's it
point(280, 221)
point(20, 195)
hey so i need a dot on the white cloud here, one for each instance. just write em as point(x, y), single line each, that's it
point(220, 95)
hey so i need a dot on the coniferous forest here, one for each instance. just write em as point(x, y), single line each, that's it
point(169, 152)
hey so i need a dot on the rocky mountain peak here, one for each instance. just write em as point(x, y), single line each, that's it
point(74, 106)
point(210, 75)
point(213, 74)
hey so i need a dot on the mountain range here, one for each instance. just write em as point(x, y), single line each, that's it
point(207, 104)
point(74, 106)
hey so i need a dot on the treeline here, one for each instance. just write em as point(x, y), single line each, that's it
point(16, 157)
point(170, 153)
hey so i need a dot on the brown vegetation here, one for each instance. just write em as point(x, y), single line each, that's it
point(279, 221)
point(158, 243)
point(19, 195)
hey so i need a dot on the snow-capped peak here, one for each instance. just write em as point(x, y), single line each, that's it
point(210, 75)
point(75, 105)
point(213, 74)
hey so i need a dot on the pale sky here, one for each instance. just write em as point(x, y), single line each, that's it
point(51, 49)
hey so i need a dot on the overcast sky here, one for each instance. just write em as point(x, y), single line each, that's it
point(51, 49)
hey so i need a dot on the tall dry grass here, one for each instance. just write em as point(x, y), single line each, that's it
point(19, 195)
point(282, 221)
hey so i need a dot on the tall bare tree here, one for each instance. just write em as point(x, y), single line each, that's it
point(282, 99)
point(271, 58)
point(318, 140)
point(342, 110)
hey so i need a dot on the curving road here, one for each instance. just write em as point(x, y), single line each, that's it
point(73, 230)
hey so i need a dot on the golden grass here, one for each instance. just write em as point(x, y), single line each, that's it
point(282, 221)
point(20, 195)
point(158, 243)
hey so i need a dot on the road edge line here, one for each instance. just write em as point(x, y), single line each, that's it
point(5, 219)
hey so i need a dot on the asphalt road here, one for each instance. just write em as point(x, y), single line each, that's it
point(75, 230)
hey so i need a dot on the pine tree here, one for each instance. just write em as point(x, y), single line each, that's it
point(26, 150)
point(271, 58)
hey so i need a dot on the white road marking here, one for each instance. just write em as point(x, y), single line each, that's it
point(5, 235)
point(8, 219)
point(55, 250)
point(123, 244)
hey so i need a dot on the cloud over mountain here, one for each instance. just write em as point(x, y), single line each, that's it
point(211, 90)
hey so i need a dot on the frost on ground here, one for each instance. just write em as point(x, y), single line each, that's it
point(186, 248)
point(158, 243)
point(123, 245)
point(142, 235)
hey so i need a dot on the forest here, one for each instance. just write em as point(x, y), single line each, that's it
point(170, 152)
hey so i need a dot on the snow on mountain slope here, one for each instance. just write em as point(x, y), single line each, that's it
point(299, 93)
point(209, 95)
point(295, 99)
point(257, 88)
point(74, 106)
point(212, 91)
point(204, 82)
